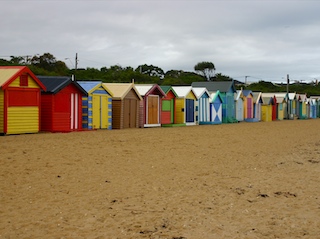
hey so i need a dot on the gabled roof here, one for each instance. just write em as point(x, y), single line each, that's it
point(257, 97)
point(10, 73)
point(54, 84)
point(238, 95)
point(222, 86)
point(167, 88)
point(183, 91)
point(247, 92)
point(200, 91)
point(214, 96)
point(145, 89)
point(120, 90)
point(91, 86)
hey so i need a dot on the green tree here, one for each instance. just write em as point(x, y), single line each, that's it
point(206, 69)
point(150, 70)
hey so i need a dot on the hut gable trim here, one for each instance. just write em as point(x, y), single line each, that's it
point(120, 90)
point(10, 73)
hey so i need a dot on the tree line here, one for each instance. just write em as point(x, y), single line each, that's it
point(48, 65)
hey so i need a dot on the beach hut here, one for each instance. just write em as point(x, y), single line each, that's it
point(266, 108)
point(227, 91)
point(61, 104)
point(168, 107)
point(150, 106)
point(216, 103)
point(301, 106)
point(248, 104)
point(185, 105)
point(312, 114)
point(97, 106)
point(20, 94)
point(291, 106)
point(202, 105)
point(257, 103)
point(317, 102)
point(125, 105)
point(239, 105)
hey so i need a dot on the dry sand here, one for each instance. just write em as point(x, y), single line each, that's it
point(246, 180)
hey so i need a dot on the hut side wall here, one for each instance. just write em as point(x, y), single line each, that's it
point(1, 111)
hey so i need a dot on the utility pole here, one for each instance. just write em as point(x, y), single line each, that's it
point(75, 65)
point(288, 82)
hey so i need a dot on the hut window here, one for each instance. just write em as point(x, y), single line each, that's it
point(24, 80)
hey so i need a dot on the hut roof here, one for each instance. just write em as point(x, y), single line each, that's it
point(10, 73)
point(91, 86)
point(120, 90)
point(200, 91)
point(54, 84)
point(222, 86)
point(183, 91)
point(143, 89)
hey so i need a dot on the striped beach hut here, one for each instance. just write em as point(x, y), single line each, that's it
point(202, 105)
point(216, 102)
point(97, 106)
point(227, 91)
point(239, 105)
point(125, 105)
point(185, 105)
point(61, 104)
point(20, 94)
point(150, 106)
point(291, 105)
point(168, 107)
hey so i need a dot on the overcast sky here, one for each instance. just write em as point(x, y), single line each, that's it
point(261, 39)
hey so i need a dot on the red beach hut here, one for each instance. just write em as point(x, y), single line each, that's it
point(61, 104)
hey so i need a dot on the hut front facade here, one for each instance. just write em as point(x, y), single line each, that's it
point(20, 94)
point(125, 105)
point(97, 106)
point(61, 104)
point(216, 108)
point(168, 106)
point(248, 104)
point(202, 105)
point(185, 105)
point(257, 103)
point(150, 106)
point(239, 105)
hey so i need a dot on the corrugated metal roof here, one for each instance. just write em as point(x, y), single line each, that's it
point(222, 86)
point(54, 83)
point(6, 74)
point(120, 90)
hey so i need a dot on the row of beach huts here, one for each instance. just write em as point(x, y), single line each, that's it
point(30, 104)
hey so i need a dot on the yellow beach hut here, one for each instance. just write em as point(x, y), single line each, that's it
point(20, 93)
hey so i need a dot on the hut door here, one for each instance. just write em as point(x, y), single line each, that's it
point(130, 111)
point(100, 112)
point(249, 108)
point(189, 110)
point(74, 111)
point(153, 109)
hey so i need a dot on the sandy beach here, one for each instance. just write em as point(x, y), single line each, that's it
point(245, 180)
